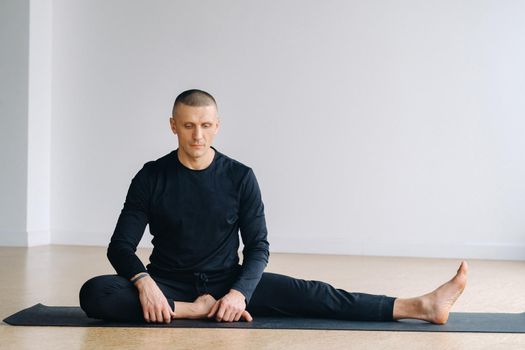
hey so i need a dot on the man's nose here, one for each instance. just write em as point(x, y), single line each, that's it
point(197, 134)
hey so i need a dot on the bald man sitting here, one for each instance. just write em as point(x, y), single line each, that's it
point(196, 200)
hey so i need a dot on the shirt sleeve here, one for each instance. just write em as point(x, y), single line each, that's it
point(254, 234)
point(130, 227)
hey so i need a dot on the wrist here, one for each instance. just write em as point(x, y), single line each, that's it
point(237, 293)
point(139, 279)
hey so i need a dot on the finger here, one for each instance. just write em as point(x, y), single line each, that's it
point(213, 310)
point(166, 314)
point(158, 313)
point(152, 317)
point(146, 316)
point(172, 311)
point(232, 317)
point(247, 317)
point(238, 316)
point(220, 313)
point(235, 316)
point(227, 316)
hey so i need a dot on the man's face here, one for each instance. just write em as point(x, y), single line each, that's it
point(195, 128)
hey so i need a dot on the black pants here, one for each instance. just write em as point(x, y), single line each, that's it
point(112, 297)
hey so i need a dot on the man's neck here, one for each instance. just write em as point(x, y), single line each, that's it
point(197, 163)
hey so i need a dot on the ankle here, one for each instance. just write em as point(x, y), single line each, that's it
point(195, 310)
point(409, 308)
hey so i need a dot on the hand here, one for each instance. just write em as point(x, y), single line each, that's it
point(154, 304)
point(230, 307)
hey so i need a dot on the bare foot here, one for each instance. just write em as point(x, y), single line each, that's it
point(438, 303)
point(202, 305)
point(435, 306)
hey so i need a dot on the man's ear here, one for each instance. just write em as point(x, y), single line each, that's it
point(218, 126)
point(173, 126)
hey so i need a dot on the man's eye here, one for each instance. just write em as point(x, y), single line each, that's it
point(187, 126)
point(206, 125)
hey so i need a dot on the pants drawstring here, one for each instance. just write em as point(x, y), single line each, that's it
point(201, 279)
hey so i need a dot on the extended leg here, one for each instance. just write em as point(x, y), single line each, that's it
point(280, 295)
point(283, 295)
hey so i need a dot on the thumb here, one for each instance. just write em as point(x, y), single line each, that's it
point(213, 309)
point(172, 312)
point(247, 317)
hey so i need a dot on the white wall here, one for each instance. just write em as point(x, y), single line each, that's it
point(39, 124)
point(25, 111)
point(374, 127)
point(14, 40)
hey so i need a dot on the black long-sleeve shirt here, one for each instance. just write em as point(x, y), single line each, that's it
point(194, 217)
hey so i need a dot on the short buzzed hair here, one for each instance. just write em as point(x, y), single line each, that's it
point(194, 98)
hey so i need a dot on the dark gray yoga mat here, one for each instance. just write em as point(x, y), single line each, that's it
point(42, 315)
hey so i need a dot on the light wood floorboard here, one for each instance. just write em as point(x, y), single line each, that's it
point(53, 275)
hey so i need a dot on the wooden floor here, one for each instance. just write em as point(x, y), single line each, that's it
point(52, 275)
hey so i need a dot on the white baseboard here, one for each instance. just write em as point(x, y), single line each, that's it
point(36, 238)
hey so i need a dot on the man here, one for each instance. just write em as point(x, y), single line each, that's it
point(196, 200)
